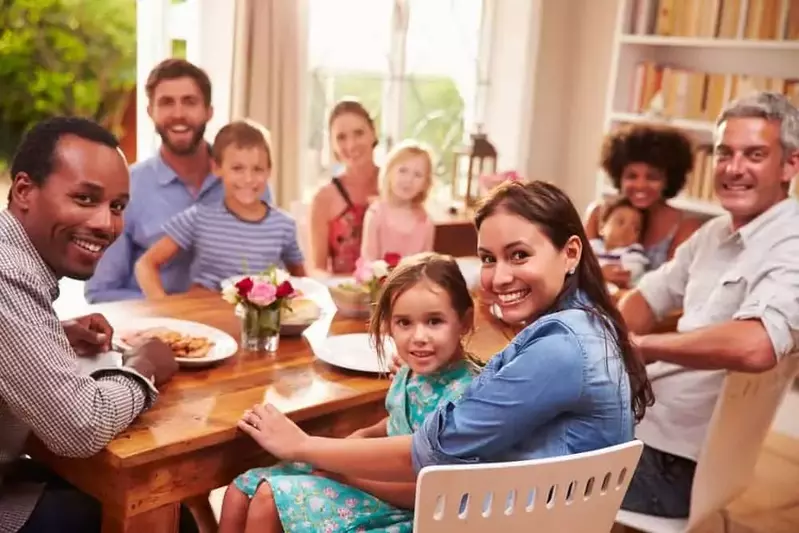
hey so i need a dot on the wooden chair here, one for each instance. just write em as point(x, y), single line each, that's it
point(580, 492)
point(741, 420)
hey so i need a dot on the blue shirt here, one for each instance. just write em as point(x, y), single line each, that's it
point(156, 195)
point(224, 245)
point(559, 388)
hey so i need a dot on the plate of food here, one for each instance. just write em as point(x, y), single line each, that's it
point(194, 344)
point(353, 351)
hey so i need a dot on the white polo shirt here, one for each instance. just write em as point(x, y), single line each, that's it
point(719, 275)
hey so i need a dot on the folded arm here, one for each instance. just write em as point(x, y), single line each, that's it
point(148, 267)
point(72, 414)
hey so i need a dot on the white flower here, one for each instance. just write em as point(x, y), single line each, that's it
point(281, 276)
point(230, 293)
point(380, 269)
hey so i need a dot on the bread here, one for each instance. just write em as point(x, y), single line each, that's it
point(303, 311)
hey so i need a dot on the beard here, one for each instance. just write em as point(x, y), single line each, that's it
point(190, 148)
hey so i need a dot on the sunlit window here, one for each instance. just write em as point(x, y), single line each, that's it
point(412, 63)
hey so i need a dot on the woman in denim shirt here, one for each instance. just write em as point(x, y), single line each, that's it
point(569, 382)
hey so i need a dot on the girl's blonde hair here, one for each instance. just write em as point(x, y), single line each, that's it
point(442, 271)
point(403, 151)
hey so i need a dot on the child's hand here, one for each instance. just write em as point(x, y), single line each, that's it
point(394, 365)
point(616, 275)
point(274, 432)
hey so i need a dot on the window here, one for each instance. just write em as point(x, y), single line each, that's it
point(414, 65)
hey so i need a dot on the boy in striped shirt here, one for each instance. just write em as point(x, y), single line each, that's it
point(243, 232)
point(620, 232)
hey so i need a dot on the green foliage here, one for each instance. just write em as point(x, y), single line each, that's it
point(64, 57)
point(432, 110)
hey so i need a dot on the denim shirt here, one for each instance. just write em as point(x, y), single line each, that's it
point(559, 388)
point(157, 194)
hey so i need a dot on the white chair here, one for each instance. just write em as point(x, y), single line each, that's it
point(580, 492)
point(740, 422)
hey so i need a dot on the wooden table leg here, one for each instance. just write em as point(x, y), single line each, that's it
point(159, 520)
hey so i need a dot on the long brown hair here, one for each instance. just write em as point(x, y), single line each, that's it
point(551, 210)
point(442, 271)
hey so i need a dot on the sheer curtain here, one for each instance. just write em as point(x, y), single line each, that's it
point(269, 83)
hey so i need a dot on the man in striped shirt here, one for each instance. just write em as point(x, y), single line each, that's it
point(70, 186)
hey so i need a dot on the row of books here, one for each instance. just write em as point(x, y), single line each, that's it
point(722, 19)
point(680, 93)
point(700, 181)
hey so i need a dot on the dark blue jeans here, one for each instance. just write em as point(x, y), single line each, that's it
point(63, 508)
point(661, 485)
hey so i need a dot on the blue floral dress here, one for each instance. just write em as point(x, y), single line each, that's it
point(311, 504)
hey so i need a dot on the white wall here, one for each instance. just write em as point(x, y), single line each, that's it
point(571, 80)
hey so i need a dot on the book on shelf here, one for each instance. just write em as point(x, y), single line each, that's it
point(673, 92)
point(699, 185)
point(721, 19)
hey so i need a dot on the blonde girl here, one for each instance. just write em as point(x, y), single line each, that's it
point(398, 222)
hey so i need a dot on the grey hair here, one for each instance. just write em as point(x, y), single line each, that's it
point(769, 106)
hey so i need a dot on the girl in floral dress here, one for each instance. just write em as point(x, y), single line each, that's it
point(426, 309)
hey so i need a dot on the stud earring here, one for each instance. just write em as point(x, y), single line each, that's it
point(571, 271)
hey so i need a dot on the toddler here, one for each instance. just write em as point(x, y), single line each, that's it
point(620, 231)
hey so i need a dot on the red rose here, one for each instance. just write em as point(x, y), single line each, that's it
point(284, 290)
point(244, 286)
point(392, 259)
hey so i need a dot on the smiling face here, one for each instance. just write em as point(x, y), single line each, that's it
point(642, 184)
point(77, 213)
point(425, 327)
point(353, 140)
point(244, 173)
point(751, 170)
point(520, 266)
point(410, 177)
point(622, 227)
point(180, 114)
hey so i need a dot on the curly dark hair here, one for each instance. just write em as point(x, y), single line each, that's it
point(662, 147)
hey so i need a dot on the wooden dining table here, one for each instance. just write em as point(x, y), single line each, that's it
point(188, 444)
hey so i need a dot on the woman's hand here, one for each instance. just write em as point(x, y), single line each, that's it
point(616, 275)
point(274, 432)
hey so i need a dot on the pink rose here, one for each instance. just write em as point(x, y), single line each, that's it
point(363, 271)
point(262, 293)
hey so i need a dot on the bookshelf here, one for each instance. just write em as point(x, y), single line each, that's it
point(678, 62)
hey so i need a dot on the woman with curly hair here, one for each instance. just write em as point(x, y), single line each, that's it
point(648, 164)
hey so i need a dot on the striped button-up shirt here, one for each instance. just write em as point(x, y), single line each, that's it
point(41, 387)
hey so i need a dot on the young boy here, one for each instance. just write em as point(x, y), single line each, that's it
point(620, 231)
point(242, 233)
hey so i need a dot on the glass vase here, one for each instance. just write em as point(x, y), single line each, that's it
point(260, 329)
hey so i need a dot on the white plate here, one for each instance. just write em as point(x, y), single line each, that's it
point(352, 351)
point(224, 345)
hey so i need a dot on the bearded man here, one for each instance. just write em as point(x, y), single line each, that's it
point(178, 176)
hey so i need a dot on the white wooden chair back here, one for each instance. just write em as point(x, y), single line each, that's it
point(580, 492)
point(741, 420)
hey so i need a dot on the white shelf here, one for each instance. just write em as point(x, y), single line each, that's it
point(685, 203)
point(702, 42)
point(698, 126)
point(763, 58)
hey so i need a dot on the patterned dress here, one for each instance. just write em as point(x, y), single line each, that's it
point(311, 504)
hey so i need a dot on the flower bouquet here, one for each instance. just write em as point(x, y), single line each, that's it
point(259, 299)
point(355, 298)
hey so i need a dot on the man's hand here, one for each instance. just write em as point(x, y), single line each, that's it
point(89, 335)
point(153, 358)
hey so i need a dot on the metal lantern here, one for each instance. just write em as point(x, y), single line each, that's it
point(470, 163)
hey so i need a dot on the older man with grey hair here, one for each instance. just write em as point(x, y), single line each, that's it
point(736, 280)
